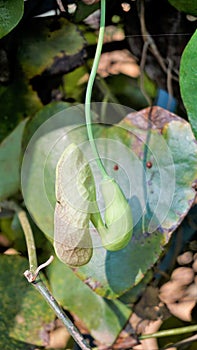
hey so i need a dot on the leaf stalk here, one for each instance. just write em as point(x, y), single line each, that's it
point(170, 332)
point(89, 91)
point(33, 276)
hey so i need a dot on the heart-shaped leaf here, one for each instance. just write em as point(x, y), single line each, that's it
point(152, 154)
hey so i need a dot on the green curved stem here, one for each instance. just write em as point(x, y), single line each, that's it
point(89, 91)
point(24, 222)
point(41, 287)
point(170, 332)
point(111, 239)
point(31, 248)
point(37, 282)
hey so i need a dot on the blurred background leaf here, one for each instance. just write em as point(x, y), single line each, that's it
point(188, 80)
point(103, 318)
point(11, 13)
point(18, 101)
point(45, 42)
point(188, 6)
point(10, 152)
point(24, 314)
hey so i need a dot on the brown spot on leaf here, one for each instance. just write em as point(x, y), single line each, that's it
point(92, 284)
point(149, 165)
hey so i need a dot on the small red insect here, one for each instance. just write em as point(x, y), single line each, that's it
point(116, 167)
point(149, 164)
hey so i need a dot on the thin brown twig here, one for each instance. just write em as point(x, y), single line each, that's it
point(61, 6)
point(142, 66)
point(169, 82)
point(186, 341)
point(169, 77)
point(147, 37)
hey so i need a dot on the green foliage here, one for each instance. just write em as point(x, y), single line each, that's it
point(10, 151)
point(127, 91)
point(103, 318)
point(188, 81)
point(40, 118)
point(151, 231)
point(20, 98)
point(74, 84)
point(33, 171)
point(159, 198)
point(11, 13)
point(188, 6)
point(83, 11)
point(46, 41)
point(23, 312)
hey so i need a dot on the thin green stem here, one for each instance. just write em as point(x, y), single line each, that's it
point(146, 148)
point(103, 87)
point(11, 205)
point(103, 108)
point(29, 240)
point(170, 332)
point(89, 91)
point(33, 277)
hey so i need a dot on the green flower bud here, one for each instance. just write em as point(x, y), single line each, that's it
point(118, 228)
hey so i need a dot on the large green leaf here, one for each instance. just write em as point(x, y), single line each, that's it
point(188, 80)
point(156, 154)
point(17, 101)
point(11, 12)
point(10, 150)
point(46, 41)
point(40, 146)
point(74, 84)
point(40, 118)
point(23, 312)
point(104, 318)
point(188, 6)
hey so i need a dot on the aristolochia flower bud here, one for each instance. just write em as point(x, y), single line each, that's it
point(118, 218)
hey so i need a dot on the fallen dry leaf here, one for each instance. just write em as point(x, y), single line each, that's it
point(116, 62)
point(58, 338)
